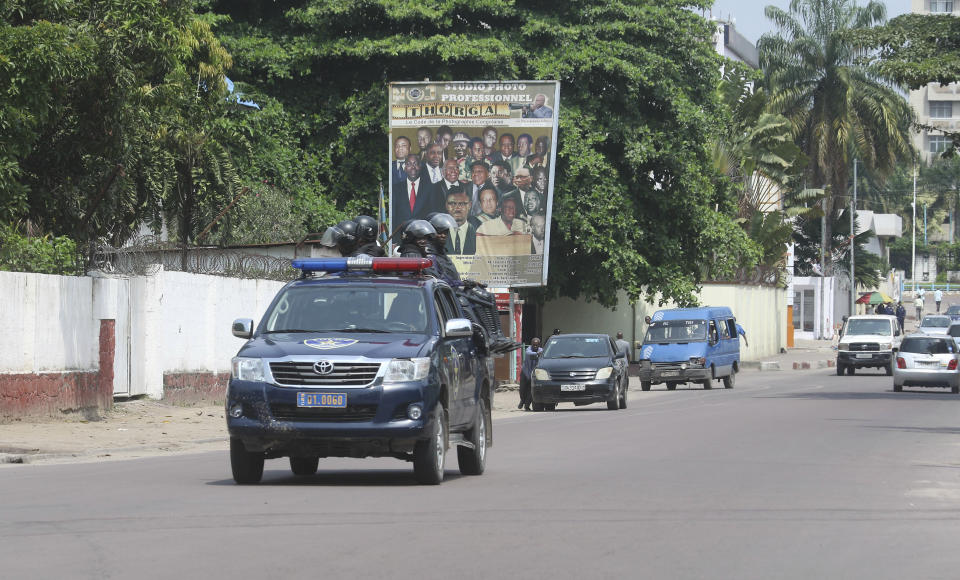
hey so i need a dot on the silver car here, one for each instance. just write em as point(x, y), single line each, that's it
point(927, 361)
point(934, 324)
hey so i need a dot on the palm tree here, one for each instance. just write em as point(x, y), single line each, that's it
point(838, 108)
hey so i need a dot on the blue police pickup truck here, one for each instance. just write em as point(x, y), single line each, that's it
point(360, 357)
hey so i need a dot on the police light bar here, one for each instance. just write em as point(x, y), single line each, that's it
point(307, 265)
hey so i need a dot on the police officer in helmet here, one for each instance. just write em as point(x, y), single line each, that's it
point(417, 235)
point(367, 230)
point(443, 223)
point(347, 240)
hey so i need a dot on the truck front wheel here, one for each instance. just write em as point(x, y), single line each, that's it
point(247, 466)
point(474, 461)
point(428, 454)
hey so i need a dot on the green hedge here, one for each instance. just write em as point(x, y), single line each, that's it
point(43, 255)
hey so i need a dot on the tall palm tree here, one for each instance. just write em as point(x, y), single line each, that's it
point(838, 108)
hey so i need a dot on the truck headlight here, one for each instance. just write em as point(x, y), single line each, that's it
point(697, 361)
point(844, 346)
point(401, 370)
point(604, 373)
point(541, 375)
point(885, 346)
point(247, 369)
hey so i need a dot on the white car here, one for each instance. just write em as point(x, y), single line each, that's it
point(927, 361)
point(935, 324)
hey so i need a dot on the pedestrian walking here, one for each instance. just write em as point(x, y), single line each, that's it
point(919, 304)
point(937, 297)
point(530, 358)
point(622, 345)
point(901, 314)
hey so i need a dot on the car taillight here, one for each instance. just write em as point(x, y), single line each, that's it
point(902, 364)
point(952, 366)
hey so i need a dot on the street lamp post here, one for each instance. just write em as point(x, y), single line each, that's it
point(913, 251)
point(853, 233)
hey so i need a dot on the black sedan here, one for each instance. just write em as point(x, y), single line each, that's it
point(580, 369)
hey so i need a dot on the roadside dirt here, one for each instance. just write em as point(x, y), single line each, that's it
point(140, 428)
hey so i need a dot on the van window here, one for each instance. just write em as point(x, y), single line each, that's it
point(725, 328)
point(713, 331)
point(731, 324)
point(676, 331)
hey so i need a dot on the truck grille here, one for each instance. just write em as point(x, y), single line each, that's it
point(291, 412)
point(864, 346)
point(344, 374)
point(668, 366)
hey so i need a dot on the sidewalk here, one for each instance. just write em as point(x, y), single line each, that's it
point(805, 354)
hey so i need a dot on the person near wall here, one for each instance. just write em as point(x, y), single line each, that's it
point(623, 346)
point(918, 302)
point(937, 297)
point(530, 358)
point(901, 314)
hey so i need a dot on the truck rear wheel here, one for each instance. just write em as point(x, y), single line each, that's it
point(474, 461)
point(644, 385)
point(730, 380)
point(428, 454)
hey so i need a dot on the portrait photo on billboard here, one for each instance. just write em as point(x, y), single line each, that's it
point(485, 157)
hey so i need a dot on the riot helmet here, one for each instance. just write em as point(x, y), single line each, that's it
point(418, 230)
point(367, 228)
point(347, 241)
point(443, 223)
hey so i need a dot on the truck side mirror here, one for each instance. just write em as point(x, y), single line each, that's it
point(242, 328)
point(458, 327)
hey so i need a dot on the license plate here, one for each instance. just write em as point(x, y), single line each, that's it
point(573, 387)
point(864, 355)
point(328, 400)
point(669, 373)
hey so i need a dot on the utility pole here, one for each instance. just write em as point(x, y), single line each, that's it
point(853, 233)
point(913, 251)
point(823, 273)
point(924, 225)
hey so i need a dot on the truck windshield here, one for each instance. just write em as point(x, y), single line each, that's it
point(866, 326)
point(576, 347)
point(334, 308)
point(676, 331)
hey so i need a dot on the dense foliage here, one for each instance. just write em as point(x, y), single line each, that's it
point(43, 254)
point(636, 204)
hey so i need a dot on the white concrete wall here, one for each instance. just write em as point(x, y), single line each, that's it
point(178, 322)
point(760, 310)
point(48, 323)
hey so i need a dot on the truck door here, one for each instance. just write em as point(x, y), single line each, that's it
point(460, 352)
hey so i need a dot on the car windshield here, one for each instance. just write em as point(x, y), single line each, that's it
point(862, 326)
point(576, 347)
point(954, 330)
point(955, 309)
point(335, 308)
point(922, 345)
point(935, 322)
point(676, 331)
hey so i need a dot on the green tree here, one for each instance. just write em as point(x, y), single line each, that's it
point(637, 205)
point(839, 108)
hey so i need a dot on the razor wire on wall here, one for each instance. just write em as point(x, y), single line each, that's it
point(145, 255)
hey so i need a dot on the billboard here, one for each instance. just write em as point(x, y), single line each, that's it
point(484, 152)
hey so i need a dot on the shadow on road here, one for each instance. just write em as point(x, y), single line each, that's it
point(924, 395)
point(933, 430)
point(364, 478)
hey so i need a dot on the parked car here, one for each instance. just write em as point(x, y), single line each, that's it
point(927, 361)
point(934, 324)
point(953, 312)
point(868, 340)
point(580, 369)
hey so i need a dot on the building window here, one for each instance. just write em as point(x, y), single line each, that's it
point(941, 109)
point(941, 5)
point(939, 143)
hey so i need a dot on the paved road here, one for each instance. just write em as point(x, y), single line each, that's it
point(791, 475)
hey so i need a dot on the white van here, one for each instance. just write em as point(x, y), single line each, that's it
point(869, 340)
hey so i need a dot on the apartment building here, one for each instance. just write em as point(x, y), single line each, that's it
point(937, 106)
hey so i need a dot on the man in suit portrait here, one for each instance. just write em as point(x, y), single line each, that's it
point(424, 139)
point(538, 225)
point(415, 196)
point(451, 177)
point(432, 162)
point(489, 205)
point(401, 148)
point(463, 240)
point(540, 181)
point(508, 153)
point(538, 109)
point(524, 148)
point(501, 177)
point(479, 180)
point(476, 150)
